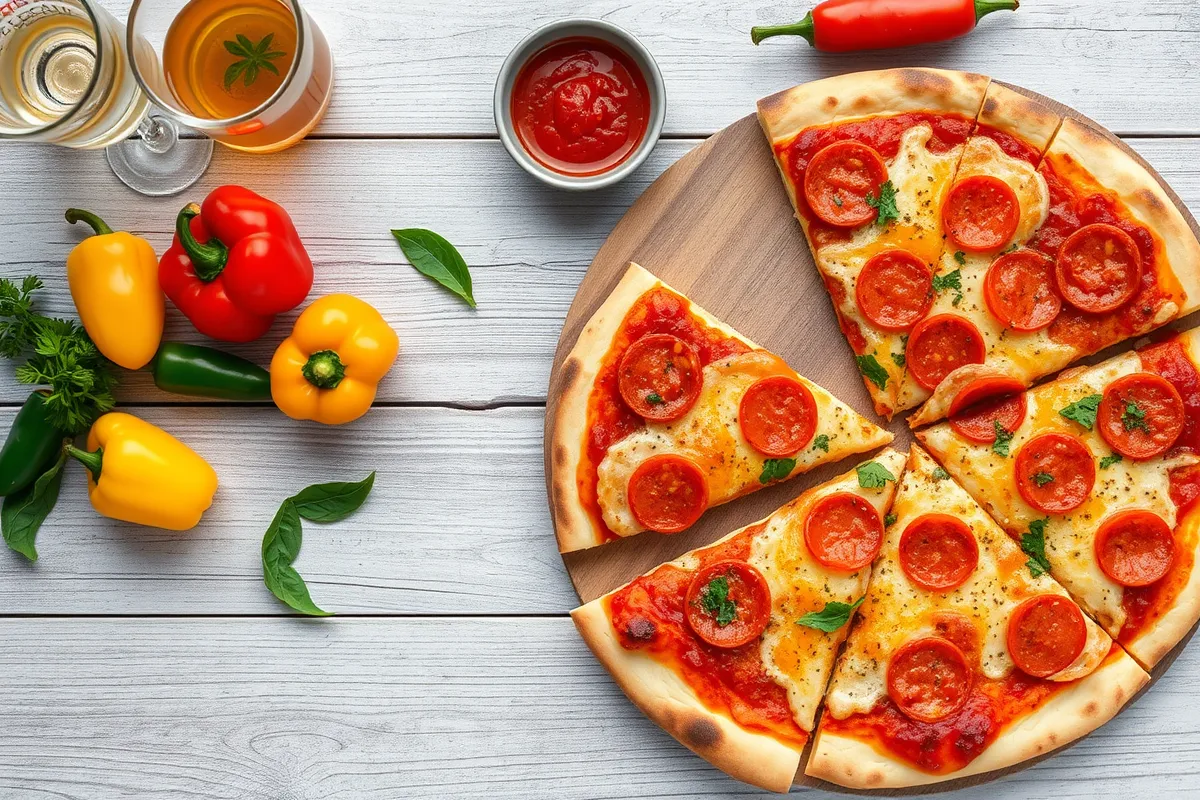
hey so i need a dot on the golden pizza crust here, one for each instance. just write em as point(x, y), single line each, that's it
point(664, 697)
point(1071, 713)
point(1018, 115)
point(864, 94)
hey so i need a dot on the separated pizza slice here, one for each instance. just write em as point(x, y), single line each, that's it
point(666, 412)
point(1097, 475)
point(1114, 259)
point(962, 659)
point(729, 648)
point(867, 159)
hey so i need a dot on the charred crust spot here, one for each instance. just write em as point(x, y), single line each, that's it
point(562, 511)
point(569, 374)
point(915, 81)
point(641, 629)
point(830, 103)
point(1052, 738)
point(1091, 709)
point(1150, 200)
point(990, 106)
point(560, 456)
point(701, 733)
point(875, 778)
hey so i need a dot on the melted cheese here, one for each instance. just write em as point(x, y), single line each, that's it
point(710, 435)
point(1127, 484)
point(897, 611)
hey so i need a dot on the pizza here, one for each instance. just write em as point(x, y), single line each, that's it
point(1097, 474)
point(666, 412)
point(729, 648)
point(962, 659)
point(971, 239)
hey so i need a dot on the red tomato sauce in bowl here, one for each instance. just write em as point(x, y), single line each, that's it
point(580, 106)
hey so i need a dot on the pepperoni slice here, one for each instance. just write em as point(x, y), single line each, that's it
point(1099, 268)
point(1141, 415)
point(929, 679)
point(1046, 634)
point(982, 403)
point(894, 290)
point(667, 493)
point(1055, 473)
point(1135, 548)
point(1020, 291)
point(778, 415)
point(660, 376)
point(938, 552)
point(843, 532)
point(941, 344)
point(981, 213)
point(839, 178)
point(728, 604)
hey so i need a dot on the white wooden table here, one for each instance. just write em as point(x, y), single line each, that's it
point(136, 663)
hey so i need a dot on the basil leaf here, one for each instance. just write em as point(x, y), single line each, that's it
point(1134, 418)
point(436, 258)
point(281, 545)
point(776, 469)
point(873, 475)
point(960, 257)
point(1042, 478)
point(330, 502)
point(885, 203)
point(25, 511)
point(1083, 410)
point(1033, 544)
point(821, 442)
point(898, 359)
point(872, 371)
point(833, 616)
point(889, 520)
point(1110, 459)
point(940, 474)
point(1003, 444)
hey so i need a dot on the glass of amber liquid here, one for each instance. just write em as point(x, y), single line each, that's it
point(254, 75)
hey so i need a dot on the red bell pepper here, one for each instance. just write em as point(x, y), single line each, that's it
point(234, 264)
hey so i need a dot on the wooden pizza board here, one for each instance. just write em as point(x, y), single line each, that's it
point(718, 227)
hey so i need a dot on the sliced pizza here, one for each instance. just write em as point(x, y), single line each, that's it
point(1097, 475)
point(961, 659)
point(729, 648)
point(867, 159)
point(666, 412)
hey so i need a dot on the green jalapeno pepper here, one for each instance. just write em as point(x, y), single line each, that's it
point(32, 445)
point(191, 369)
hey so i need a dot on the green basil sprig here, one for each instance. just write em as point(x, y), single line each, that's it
point(436, 258)
point(25, 511)
point(322, 502)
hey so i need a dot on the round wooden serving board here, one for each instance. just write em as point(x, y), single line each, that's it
point(718, 227)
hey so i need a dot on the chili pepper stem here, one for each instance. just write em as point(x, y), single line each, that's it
point(804, 27)
point(74, 215)
point(208, 259)
point(92, 460)
point(985, 7)
point(324, 369)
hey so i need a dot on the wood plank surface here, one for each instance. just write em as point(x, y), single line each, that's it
point(352, 709)
point(429, 68)
point(528, 246)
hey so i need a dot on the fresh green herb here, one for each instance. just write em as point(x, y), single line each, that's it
point(837, 201)
point(1010, 249)
point(323, 502)
point(940, 474)
point(885, 203)
point(776, 469)
point(898, 359)
point(821, 442)
point(60, 356)
point(832, 617)
point(252, 58)
point(872, 370)
point(1134, 418)
point(1003, 442)
point(714, 598)
point(1042, 478)
point(889, 520)
point(1033, 544)
point(436, 258)
point(873, 475)
point(25, 511)
point(951, 280)
point(960, 257)
point(654, 399)
point(1109, 460)
point(1083, 410)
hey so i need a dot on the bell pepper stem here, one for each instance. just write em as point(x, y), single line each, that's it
point(101, 228)
point(93, 461)
point(208, 259)
point(804, 28)
point(324, 369)
point(985, 7)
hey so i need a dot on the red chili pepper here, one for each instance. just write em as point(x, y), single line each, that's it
point(234, 264)
point(839, 26)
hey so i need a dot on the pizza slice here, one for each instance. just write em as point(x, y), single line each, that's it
point(1097, 475)
point(729, 648)
point(962, 659)
point(867, 159)
point(1113, 259)
point(666, 412)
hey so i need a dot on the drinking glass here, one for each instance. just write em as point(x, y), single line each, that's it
point(65, 79)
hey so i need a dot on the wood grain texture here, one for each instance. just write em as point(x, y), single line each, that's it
point(282, 709)
point(528, 246)
point(429, 68)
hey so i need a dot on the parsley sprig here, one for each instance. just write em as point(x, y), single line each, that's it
point(714, 598)
point(1134, 418)
point(885, 203)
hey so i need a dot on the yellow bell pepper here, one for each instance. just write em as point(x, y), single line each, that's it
point(114, 283)
point(140, 473)
point(330, 366)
